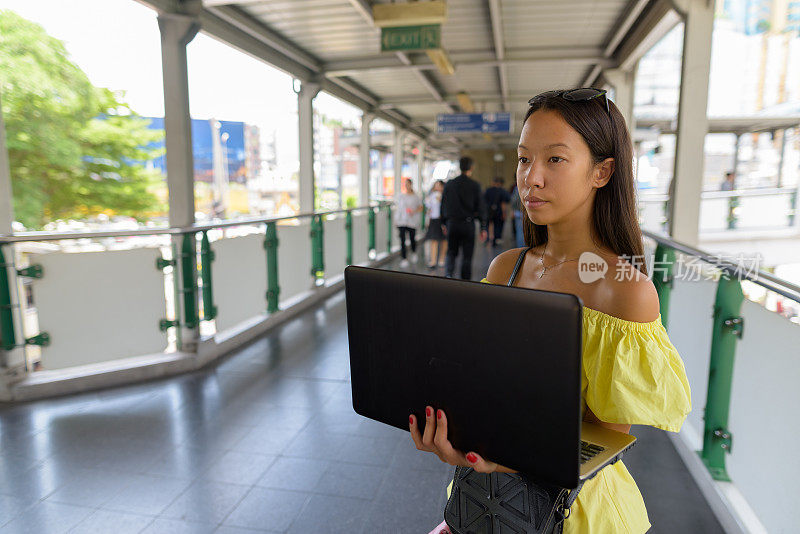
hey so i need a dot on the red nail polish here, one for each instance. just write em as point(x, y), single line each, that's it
point(471, 458)
point(428, 412)
point(439, 414)
point(410, 419)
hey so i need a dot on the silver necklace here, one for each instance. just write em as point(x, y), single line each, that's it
point(541, 262)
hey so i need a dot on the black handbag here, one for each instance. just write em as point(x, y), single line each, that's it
point(505, 503)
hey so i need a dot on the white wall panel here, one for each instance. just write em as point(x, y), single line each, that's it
point(239, 279)
point(380, 231)
point(335, 245)
point(360, 237)
point(99, 306)
point(690, 327)
point(763, 417)
point(714, 214)
point(294, 259)
point(763, 212)
point(395, 232)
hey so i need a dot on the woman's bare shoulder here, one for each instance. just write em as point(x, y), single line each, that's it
point(502, 265)
point(633, 295)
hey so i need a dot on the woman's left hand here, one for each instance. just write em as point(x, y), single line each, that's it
point(434, 440)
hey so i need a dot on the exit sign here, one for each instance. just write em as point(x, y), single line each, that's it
point(401, 38)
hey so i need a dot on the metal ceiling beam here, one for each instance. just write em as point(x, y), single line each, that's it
point(217, 3)
point(353, 66)
point(253, 27)
point(655, 23)
point(496, 19)
point(592, 76)
point(628, 43)
point(635, 9)
point(246, 42)
point(425, 80)
point(365, 10)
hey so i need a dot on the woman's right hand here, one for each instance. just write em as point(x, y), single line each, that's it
point(434, 439)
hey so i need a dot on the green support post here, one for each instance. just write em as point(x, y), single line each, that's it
point(7, 336)
point(728, 329)
point(371, 243)
point(733, 203)
point(424, 213)
point(189, 281)
point(388, 228)
point(792, 209)
point(348, 226)
point(317, 248)
point(206, 257)
point(663, 265)
point(271, 246)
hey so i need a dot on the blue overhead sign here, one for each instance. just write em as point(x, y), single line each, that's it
point(473, 123)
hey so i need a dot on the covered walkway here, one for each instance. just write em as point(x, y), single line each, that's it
point(246, 422)
point(266, 441)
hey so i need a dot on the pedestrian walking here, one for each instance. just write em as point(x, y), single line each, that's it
point(434, 237)
point(497, 199)
point(462, 204)
point(407, 217)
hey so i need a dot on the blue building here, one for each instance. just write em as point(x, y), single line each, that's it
point(203, 149)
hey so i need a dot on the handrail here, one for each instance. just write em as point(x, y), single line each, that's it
point(22, 237)
point(761, 278)
point(737, 193)
point(755, 192)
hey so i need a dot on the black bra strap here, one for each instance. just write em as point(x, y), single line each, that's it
point(517, 266)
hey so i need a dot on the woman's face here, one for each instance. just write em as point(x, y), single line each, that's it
point(556, 175)
point(438, 186)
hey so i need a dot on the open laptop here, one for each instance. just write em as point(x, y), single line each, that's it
point(504, 363)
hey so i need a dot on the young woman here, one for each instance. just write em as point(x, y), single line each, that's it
point(434, 237)
point(575, 179)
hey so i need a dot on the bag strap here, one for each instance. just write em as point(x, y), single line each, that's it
point(520, 260)
point(572, 496)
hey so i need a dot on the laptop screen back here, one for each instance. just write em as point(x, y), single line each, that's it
point(503, 363)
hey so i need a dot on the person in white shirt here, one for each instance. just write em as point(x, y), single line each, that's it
point(407, 220)
point(434, 237)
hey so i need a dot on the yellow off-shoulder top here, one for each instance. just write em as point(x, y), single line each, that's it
point(632, 375)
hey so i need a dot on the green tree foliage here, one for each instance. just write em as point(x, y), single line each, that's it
point(75, 150)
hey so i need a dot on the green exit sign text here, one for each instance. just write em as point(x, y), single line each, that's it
point(411, 38)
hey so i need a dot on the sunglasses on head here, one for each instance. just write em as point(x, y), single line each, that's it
point(584, 94)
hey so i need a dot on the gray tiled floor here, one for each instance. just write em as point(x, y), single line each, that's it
point(267, 441)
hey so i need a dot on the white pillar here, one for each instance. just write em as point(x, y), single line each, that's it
point(305, 113)
point(14, 358)
point(420, 165)
point(692, 121)
point(782, 157)
point(397, 159)
point(623, 83)
point(176, 32)
point(363, 160)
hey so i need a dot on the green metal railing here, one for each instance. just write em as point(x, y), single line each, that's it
point(187, 277)
point(728, 329)
point(8, 338)
point(271, 246)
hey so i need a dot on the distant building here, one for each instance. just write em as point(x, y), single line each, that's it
point(241, 148)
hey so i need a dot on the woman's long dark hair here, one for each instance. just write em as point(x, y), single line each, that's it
point(614, 217)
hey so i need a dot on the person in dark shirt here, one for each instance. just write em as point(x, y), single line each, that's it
point(462, 203)
point(497, 199)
